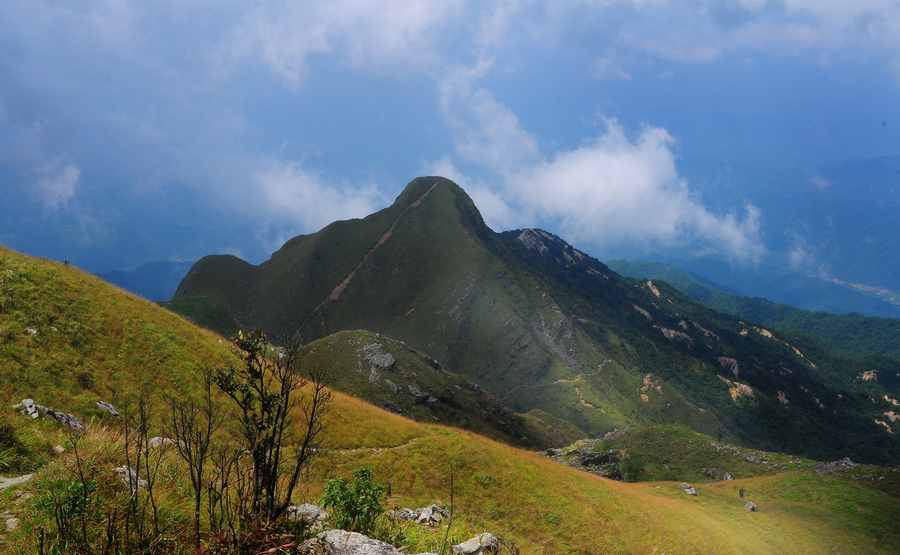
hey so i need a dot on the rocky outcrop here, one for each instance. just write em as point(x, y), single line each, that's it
point(130, 478)
point(839, 465)
point(585, 456)
point(480, 544)
point(342, 542)
point(730, 364)
point(431, 515)
point(717, 474)
point(33, 410)
point(377, 359)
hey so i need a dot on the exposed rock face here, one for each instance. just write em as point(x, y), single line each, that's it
point(675, 335)
point(868, 376)
point(313, 516)
point(482, 543)
point(738, 390)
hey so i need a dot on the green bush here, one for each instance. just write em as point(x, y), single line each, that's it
point(356, 505)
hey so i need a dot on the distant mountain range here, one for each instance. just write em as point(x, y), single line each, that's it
point(851, 334)
point(831, 233)
point(156, 281)
point(554, 334)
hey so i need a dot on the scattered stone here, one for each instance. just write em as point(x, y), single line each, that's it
point(312, 516)
point(834, 466)
point(157, 442)
point(431, 515)
point(341, 542)
point(104, 406)
point(717, 474)
point(59, 449)
point(66, 419)
point(6, 483)
point(28, 408)
point(689, 489)
point(130, 478)
point(12, 524)
point(480, 544)
point(31, 331)
point(751, 506)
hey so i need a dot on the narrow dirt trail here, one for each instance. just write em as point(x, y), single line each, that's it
point(338, 290)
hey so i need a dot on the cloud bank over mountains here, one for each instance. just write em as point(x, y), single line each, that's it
point(140, 130)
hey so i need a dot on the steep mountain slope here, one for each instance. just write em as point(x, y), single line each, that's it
point(392, 375)
point(104, 334)
point(551, 331)
point(853, 335)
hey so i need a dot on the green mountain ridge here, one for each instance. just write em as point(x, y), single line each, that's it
point(552, 332)
point(70, 339)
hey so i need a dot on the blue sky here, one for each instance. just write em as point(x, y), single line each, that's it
point(137, 131)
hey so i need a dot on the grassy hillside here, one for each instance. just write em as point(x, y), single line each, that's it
point(553, 333)
point(93, 338)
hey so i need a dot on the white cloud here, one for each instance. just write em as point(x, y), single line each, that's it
point(294, 198)
point(368, 34)
point(611, 191)
point(56, 185)
point(485, 131)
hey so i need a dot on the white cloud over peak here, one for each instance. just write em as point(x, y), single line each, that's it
point(612, 190)
point(294, 199)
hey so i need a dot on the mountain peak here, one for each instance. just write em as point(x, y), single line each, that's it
point(440, 189)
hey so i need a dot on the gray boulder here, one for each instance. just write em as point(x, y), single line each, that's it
point(341, 542)
point(689, 489)
point(130, 478)
point(377, 359)
point(480, 544)
point(431, 515)
point(313, 516)
point(157, 442)
point(751, 506)
point(107, 407)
